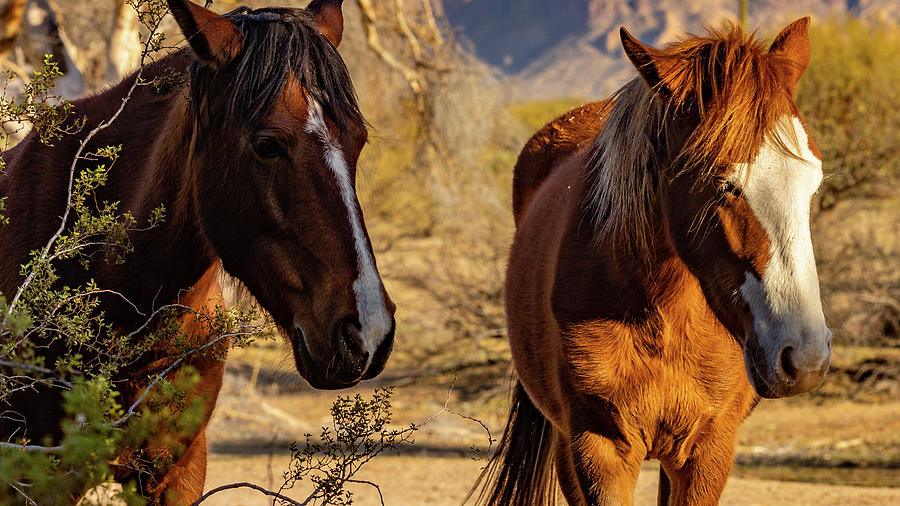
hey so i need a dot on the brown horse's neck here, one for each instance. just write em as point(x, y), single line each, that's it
point(172, 257)
point(155, 132)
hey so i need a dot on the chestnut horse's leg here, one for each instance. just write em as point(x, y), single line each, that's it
point(606, 476)
point(565, 471)
point(701, 480)
point(665, 487)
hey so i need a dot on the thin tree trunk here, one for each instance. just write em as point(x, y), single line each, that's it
point(10, 25)
point(48, 36)
point(124, 49)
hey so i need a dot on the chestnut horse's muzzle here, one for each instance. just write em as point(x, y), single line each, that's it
point(788, 367)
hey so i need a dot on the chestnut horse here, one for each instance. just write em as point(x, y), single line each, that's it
point(662, 275)
point(256, 165)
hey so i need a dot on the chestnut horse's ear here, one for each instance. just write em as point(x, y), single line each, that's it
point(652, 63)
point(214, 39)
point(792, 46)
point(329, 19)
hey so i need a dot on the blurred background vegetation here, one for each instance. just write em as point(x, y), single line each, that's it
point(446, 129)
point(435, 186)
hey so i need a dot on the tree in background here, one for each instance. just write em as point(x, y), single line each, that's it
point(850, 98)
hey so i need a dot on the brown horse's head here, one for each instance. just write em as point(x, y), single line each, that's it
point(277, 135)
point(738, 174)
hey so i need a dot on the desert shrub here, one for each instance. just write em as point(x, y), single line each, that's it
point(360, 430)
point(537, 113)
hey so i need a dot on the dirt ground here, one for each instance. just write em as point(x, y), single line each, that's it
point(444, 481)
point(252, 427)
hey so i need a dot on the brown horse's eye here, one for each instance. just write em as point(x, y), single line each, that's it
point(267, 147)
point(729, 187)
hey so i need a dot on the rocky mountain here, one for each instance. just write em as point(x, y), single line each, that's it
point(571, 48)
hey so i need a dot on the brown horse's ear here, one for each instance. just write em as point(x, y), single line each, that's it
point(652, 63)
point(792, 47)
point(329, 19)
point(214, 39)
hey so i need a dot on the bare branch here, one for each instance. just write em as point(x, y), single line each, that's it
point(371, 484)
point(446, 409)
point(431, 23)
point(410, 37)
point(174, 365)
point(413, 78)
point(247, 485)
point(34, 368)
point(33, 448)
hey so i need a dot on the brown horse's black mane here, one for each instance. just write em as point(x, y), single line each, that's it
point(279, 44)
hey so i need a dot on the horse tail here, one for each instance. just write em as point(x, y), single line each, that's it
point(521, 472)
point(556, 141)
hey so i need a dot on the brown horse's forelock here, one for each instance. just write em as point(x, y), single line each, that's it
point(729, 82)
point(278, 45)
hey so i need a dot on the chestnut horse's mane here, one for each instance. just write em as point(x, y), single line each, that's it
point(279, 44)
point(728, 80)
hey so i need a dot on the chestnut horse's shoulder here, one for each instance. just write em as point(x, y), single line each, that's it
point(556, 141)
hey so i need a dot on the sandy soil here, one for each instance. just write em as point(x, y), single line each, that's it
point(440, 481)
point(252, 428)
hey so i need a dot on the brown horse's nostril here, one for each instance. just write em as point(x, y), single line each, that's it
point(349, 335)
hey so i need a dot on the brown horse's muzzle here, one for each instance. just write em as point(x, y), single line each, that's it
point(345, 362)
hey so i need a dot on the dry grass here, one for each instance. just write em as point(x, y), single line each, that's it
point(858, 250)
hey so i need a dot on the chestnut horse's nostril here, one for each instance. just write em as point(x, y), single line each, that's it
point(787, 365)
point(798, 377)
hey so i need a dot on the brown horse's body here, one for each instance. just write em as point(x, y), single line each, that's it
point(255, 164)
point(171, 257)
point(661, 278)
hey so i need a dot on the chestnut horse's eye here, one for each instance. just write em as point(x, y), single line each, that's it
point(267, 147)
point(729, 187)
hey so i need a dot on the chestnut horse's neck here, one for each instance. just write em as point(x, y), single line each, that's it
point(155, 131)
point(659, 307)
point(616, 284)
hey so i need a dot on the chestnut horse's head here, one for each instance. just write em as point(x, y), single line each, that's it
point(277, 135)
point(739, 172)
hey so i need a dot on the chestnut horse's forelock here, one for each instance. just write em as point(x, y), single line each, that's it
point(279, 45)
point(726, 86)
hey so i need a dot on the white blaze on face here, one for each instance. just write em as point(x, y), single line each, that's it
point(373, 314)
point(778, 187)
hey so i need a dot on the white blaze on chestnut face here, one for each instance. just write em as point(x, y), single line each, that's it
point(785, 303)
point(373, 314)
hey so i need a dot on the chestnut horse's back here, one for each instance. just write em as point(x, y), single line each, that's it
point(556, 141)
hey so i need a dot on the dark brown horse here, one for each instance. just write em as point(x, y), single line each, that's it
point(662, 275)
point(255, 162)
